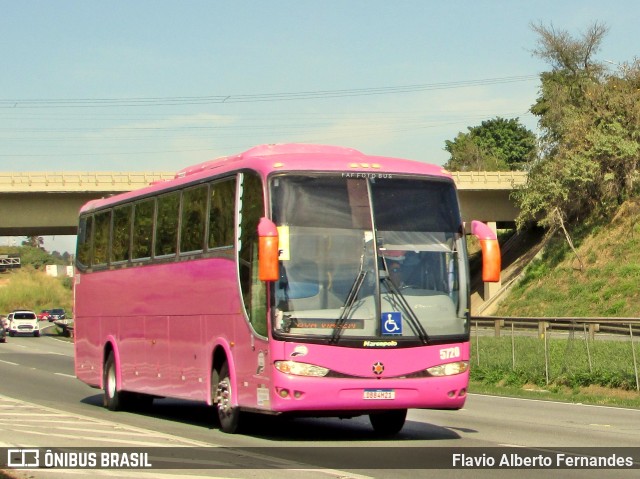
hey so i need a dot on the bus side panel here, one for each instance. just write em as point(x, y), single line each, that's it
point(165, 319)
point(88, 350)
point(189, 361)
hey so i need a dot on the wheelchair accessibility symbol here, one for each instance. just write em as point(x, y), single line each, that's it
point(392, 323)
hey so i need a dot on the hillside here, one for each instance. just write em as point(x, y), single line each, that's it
point(29, 287)
point(601, 280)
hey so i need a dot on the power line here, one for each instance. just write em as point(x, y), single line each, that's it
point(251, 98)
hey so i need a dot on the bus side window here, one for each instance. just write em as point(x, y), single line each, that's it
point(101, 238)
point(142, 229)
point(221, 213)
point(253, 290)
point(166, 234)
point(194, 210)
point(121, 236)
point(85, 233)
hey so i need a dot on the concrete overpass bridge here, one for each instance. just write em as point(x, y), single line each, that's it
point(47, 203)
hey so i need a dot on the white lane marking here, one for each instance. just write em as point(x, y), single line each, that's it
point(101, 429)
point(555, 402)
point(9, 362)
point(14, 408)
point(97, 438)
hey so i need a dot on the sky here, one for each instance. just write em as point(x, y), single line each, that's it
point(157, 85)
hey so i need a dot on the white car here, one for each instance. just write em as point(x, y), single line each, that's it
point(23, 322)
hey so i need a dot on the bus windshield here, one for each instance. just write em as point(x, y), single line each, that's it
point(369, 258)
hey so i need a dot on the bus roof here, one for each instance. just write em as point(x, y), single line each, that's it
point(283, 157)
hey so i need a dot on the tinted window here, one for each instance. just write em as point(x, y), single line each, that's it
point(253, 290)
point(167, 224)
point(85, 230)
point(439, 197)
point(223, 200)
point(194, 209)
point(121, 242)
point(101, 239)
point(142, 229)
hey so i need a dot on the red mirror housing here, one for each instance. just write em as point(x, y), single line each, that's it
point(268, 253)
point(491, 262)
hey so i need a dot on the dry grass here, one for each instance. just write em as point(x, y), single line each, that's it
point(32, 289)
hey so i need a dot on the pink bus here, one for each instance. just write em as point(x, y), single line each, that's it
point(289, 279)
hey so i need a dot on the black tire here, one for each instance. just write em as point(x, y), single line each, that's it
point(228, 415)
point(388, 423)
point(114, 400)
point(36, 334)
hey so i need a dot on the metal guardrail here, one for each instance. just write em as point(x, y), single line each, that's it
point(622, 327)
point(594, 324)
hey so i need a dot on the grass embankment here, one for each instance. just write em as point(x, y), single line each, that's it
point(600, 279)
point(32, 289)
point(575, 369)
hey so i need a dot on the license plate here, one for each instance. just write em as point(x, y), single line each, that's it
point(379, 394)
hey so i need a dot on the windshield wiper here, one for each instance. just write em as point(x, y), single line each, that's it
point(350, 301)
point(414, 322)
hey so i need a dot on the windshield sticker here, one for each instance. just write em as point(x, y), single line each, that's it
point(327, 324)
point(283, 243)
point(392, 323)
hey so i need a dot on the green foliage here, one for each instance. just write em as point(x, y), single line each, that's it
point(590, 125)
point(31, 289)
point(33, 256)
point(605, 284)
point(496, 144)
point(34, 241)
point(611, 362)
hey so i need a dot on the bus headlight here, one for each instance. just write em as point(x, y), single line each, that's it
point(449, 369)
point(300, 369)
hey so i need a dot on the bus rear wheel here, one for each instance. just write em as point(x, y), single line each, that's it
point(114, 400)
point(228, 415)
point(388, 423)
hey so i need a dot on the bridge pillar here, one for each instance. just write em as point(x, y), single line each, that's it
point(491, 289)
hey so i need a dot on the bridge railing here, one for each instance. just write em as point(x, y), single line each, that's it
point(542, 325)
point(78, 181)
point(487, 180)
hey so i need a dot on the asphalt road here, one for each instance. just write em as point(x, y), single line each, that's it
point(43, 405)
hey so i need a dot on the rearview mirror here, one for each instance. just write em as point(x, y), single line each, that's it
point(491, 263)
point(267, 250)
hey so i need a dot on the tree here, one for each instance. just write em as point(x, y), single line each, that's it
point(495, 145)
point(34, 242)
point(590, 124)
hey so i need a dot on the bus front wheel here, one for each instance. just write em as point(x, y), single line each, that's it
point(228, 415)
point(388, 423)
